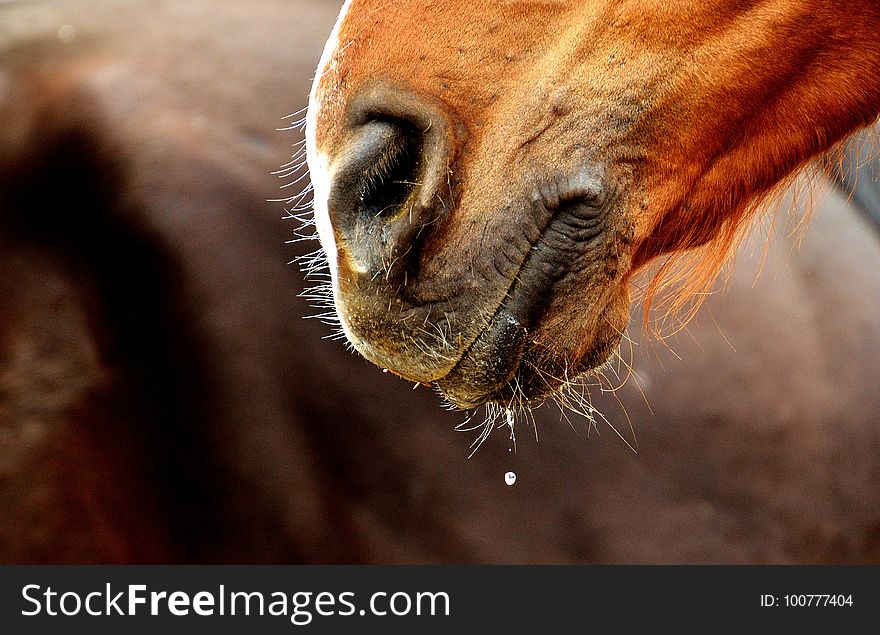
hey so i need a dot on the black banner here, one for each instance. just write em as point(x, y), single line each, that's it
point(179, 599)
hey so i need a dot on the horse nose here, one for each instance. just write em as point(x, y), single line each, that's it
point(386, 184)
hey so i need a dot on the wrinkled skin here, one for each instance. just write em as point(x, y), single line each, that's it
point(489, 176)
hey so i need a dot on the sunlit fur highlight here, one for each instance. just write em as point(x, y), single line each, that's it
point(683, 280)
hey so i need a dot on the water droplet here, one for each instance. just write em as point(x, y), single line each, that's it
point(384, 370)
point(510, 423)
point(510, 478)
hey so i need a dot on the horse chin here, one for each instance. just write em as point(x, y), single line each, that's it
point(527, 378)
point(514, 362)
point(533, 344)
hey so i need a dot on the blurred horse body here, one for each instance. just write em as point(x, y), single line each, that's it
point(161, 399)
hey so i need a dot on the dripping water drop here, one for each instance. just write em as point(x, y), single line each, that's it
point(510, 424)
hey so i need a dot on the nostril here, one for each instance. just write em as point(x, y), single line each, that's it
point(376, 173)
point(389, 183)
point(374, 203)
point(389, 179)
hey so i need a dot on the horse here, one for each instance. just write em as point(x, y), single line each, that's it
point(163, 401)
point(491, 179)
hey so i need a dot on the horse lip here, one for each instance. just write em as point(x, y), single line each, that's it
point(486, 367)
point(488, 364)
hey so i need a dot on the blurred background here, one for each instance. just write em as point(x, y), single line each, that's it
point(162, 398)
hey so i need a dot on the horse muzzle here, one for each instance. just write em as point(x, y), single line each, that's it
point(467, 313)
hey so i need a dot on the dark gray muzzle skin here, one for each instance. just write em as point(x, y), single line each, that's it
point(393, 182)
